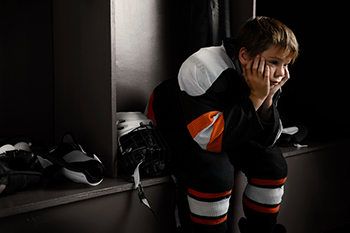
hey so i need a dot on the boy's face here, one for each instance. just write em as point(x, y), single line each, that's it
point(277, 59)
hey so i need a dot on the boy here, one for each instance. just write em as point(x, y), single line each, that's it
point(221, 114)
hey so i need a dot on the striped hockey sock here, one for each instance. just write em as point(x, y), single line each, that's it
point(208, 211)
point(209, 186)
point(261, 203)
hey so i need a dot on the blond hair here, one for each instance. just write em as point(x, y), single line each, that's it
point(258, 34)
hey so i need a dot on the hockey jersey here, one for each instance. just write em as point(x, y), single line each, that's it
point(208, 105)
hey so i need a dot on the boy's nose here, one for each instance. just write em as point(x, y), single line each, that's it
point(279, 73)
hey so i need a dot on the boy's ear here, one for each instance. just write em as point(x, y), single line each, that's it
point(243, 56)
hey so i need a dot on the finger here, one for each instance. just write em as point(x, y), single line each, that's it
point(284, 80)
point(249, 64)
point(286, 77)
point(287, 74)
point(256, 62)
point(267, 73)
point(256, 65)
point(248, 69)
point(277, 87)
point(274, 89)
point(261, 67)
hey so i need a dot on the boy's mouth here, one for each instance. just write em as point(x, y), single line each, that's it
point(273, 83)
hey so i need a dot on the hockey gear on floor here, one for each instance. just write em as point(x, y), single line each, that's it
point(19, 168)
point(68, 159)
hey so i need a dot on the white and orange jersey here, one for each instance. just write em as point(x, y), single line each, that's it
point(210, 101)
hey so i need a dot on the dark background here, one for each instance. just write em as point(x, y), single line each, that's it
point(317, 94)
point(26, 69)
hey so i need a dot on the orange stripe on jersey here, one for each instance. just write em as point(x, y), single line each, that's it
point(263, 182)
point(261, 209)
point(205, 120)
point(200, 123)
point(208, 195)
point(209, 221)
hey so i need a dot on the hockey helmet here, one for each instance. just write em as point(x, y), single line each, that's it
point(141, 145)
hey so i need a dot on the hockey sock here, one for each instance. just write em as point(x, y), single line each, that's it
point(264, 191)
point(208, 211)
point(209, 187)
point(261, 203)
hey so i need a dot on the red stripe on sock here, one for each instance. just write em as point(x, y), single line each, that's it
point(261, 209)
point(209, 221)
point(263, 182)
point(208, 195)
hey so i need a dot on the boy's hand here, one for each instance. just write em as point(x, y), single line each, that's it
point(274, 89)
point(257, 76)
point(265, 109)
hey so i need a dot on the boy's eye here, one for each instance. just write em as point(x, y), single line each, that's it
point(273, 62)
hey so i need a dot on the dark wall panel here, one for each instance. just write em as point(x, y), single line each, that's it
point(84, 87)
point(26, 69)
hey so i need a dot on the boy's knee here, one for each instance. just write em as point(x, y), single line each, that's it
point(278, 164)
point(212, 171)
point(268, 163)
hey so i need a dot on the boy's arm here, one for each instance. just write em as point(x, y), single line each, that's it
point(272, 125)
point(257, 75)
point(265, 111)
point(219, 123)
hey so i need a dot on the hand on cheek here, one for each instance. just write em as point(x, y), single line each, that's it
point(274, 89)
point(257, 75)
